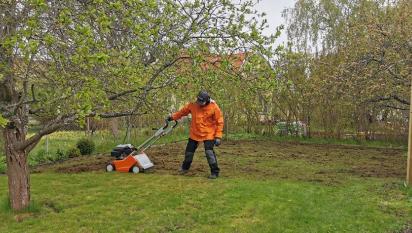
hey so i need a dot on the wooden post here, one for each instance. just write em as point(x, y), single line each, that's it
point(87, 126)
point(409, 166)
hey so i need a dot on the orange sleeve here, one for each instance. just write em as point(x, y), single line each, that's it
point(181, 113)
point(219, 122)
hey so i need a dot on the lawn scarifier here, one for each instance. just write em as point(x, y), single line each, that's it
point(135, 160)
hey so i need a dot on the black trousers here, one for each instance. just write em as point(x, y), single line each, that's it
point(209, 152)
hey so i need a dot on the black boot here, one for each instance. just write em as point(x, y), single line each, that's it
point(214, 171)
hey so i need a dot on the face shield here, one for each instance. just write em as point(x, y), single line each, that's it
point(201, 101)
point(203, 98)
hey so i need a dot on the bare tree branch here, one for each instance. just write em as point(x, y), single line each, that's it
point(119, 114)
point(387, 98)
point(49, 128)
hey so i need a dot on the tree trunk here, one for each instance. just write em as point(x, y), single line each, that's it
point(308, 131)
point(17, 172)
point(114, 127)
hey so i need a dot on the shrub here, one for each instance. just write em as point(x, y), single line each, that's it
point(60, 155)
point(86, 146)
point(73, 152)
point(40, 156)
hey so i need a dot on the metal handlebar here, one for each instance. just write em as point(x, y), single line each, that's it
point(167, 124)
point(158, 134)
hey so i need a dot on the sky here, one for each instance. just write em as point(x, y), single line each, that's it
point(273, 9)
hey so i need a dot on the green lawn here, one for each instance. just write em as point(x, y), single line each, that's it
point(265, 186)
point(101, 202)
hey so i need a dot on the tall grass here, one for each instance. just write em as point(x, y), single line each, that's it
point(5, 207)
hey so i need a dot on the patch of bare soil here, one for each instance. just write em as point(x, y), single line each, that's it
point(265, 159)
point(76, 165)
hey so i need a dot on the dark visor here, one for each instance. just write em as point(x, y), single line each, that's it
point(201, 100)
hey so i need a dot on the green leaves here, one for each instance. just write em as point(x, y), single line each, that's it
point(64, 17)
point(84, 30)
point(49, 39)
point(3, 121)
point(84, 53)
point(100, 58)
point(358, 71)
point(33, 46)
point(42, 4)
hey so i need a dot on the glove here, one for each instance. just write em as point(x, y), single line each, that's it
point(218, 141)
point(169, 118)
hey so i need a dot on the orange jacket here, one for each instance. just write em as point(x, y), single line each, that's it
point(207, 121)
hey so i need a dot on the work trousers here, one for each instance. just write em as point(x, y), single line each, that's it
point(209, 152)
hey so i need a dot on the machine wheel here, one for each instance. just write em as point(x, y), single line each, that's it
point(135, 169)
point(110, 167)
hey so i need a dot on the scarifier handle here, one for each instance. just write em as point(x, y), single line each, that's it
point(159, 133)
point(167, 124)
point(174, 126)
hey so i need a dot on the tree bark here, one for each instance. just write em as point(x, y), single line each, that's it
point(17, 172)
point(114, 127)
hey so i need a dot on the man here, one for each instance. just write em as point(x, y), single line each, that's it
point(206, 127)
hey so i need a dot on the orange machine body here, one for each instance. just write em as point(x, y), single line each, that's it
point(125, 164)
point(136, 161)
